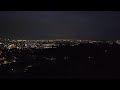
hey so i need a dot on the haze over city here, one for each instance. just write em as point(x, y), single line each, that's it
point(95, 25)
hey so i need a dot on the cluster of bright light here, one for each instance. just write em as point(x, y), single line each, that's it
point(48, 43)
point(66, 57)
point(5, 60)
point(118, 41)
point(27, 68)
point(51, 58)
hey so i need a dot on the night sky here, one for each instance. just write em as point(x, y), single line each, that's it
point(95, 25)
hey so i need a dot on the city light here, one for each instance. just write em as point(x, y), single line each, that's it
point(31, 53)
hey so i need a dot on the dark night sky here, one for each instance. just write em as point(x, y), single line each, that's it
point(60, 24)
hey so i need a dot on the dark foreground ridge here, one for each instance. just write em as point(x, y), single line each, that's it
point(83, 60)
